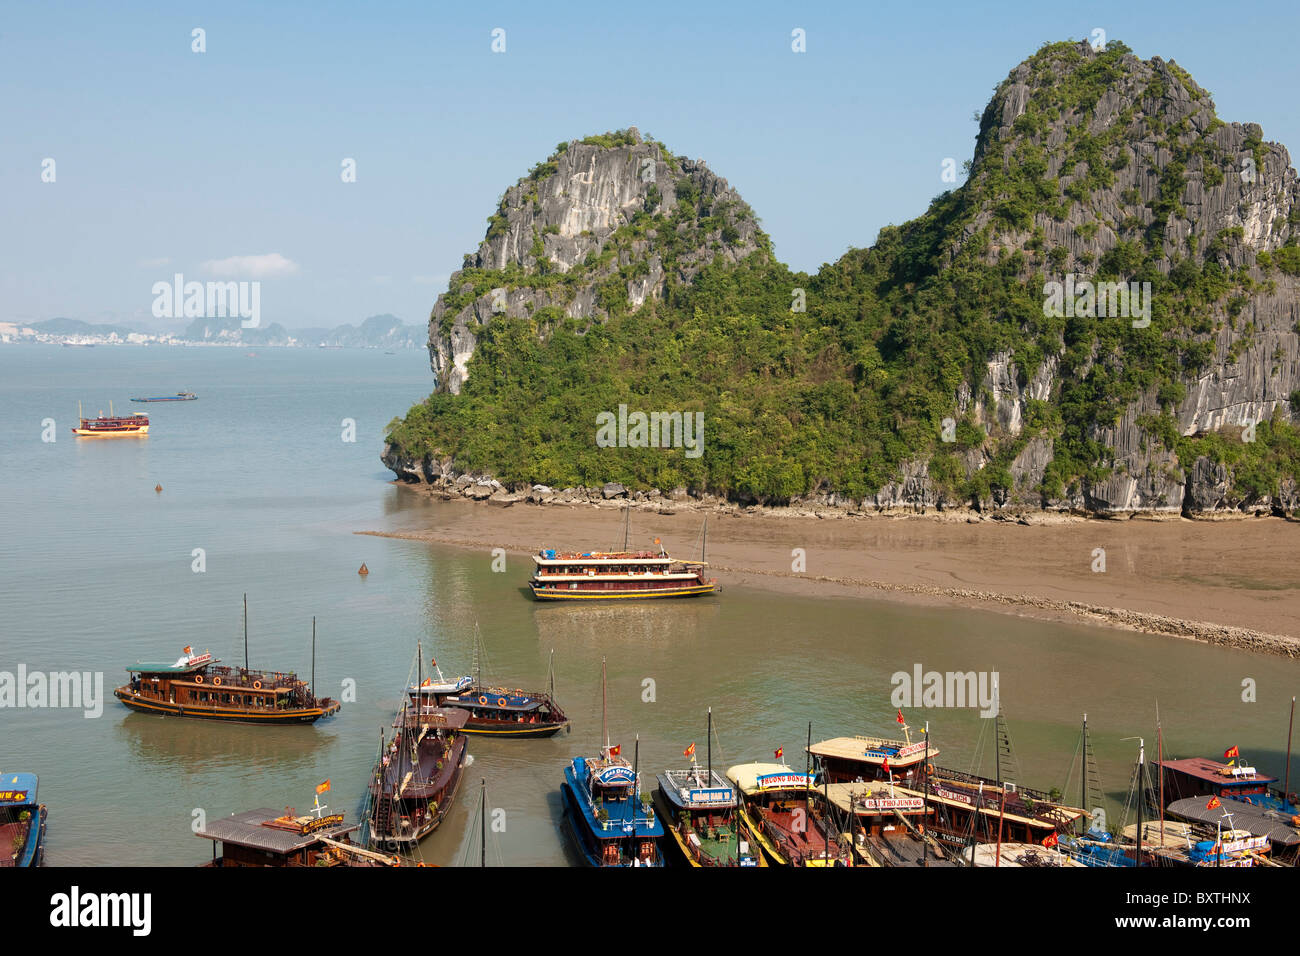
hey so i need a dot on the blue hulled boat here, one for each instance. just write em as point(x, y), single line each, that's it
point(178, 397)
point(612, 821)
point(22, 821)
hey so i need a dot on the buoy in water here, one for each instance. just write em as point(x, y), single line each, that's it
point(363, 570)
point(158, 488)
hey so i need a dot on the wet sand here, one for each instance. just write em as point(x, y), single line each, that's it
point(1234, 582)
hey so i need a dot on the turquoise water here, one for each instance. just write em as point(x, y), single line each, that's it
point(98, 572)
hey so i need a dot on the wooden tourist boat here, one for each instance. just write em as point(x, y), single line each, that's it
point(496, 711)
point(612, 821)
point(787, 816)
point(1199, 776)
point(1235, 816)
point(1018, 855)
point(859, 759)
point(417, 773)
point(699, 809)
point(265, 837)
point(889, 824)
point(22, 821)
point(970, 809)
point(615, 575)
point(195, 686)
point(112, 426)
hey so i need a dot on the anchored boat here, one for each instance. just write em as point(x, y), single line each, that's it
point(496, 711)
point(22, 821)
point(787, 816)
point(700, 814)
point(178, 397)
point(417, 772)
point(612, 822)
point(112, 426)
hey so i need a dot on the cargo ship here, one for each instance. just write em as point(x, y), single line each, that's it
point(178, 397)
point(112, 426)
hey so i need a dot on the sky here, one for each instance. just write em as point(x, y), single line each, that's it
point(228, 163)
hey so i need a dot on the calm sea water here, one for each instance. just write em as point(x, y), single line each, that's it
point(97, 571)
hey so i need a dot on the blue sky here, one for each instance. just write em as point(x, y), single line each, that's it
point(167, 160)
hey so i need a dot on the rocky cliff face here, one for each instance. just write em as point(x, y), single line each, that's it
point(604, 223)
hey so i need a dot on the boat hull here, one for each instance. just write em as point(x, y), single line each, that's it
point(556, 594)
point(587, 842)
point(141, 432)
point(305, 715)
point(499, 729)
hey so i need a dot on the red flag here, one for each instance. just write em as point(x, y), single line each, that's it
point(615, 750)
point(1050, 841)
point(323, 787)
point(1231, 752)
point(1214, 802)
point(885, 766)
point(779, 751)
point(689, 751)
point(900, 717)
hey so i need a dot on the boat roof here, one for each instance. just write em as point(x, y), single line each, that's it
point(1240, 816)
point(869, 799)
point(175, 667)
point(17, 789)
point(871, 749)
point(275, 831)
point(695, 787)
point(552, 556)
point(756, 777)
point(452, 718)
point(1217, 772)
point(442, 687)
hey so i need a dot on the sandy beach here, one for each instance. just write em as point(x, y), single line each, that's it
point(1234, 582)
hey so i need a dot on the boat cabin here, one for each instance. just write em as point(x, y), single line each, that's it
point(265, 837)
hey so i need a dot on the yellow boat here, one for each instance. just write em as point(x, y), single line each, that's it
point(112, 426)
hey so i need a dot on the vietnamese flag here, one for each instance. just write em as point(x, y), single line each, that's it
point(779, 751)
point(1214, 803)
point(689, 751)
point(885, 766)
point(323, 787)
point(900, 717)
point(1231, 752)
point(615, 750)
point(1050, 841)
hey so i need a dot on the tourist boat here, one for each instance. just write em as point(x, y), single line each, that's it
point(617, 575)
point(22, 821)
point(112, 426)
point(195, 686)
point(1199, 776)
point(787, 816)
point(889, 824)
point(178, 397)
point(266, 837)
point(612, 821)
point(699, 811)
point(970, 809)
point(859, 759)
point(496, 711)
point(1244, 820)
point(417, 773)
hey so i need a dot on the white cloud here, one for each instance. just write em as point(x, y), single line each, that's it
point(269, 266)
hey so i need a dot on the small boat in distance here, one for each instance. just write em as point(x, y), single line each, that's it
point(612, 822)
point(112, 426)
point(194, 686)
point(178, 397)
point(22, 821)
point(496, 711)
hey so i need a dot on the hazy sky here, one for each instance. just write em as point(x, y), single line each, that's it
point(228, 162)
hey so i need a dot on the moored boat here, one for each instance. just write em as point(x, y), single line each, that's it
point(22, 821)
point(615, 575)
point(787, 816)
point(612, 821)
point(700, 813)
point(416, 774)
point(496, 711)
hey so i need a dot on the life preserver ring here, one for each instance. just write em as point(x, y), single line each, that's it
point(198, 678)
point(216, 682)
point(257, 685)
point(501, 701)
point(482, 699)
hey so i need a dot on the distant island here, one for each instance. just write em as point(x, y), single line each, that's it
point(378, 331)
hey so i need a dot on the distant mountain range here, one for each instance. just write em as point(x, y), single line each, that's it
point(378, 331)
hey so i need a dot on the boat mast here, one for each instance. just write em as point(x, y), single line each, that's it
point(1141, 797)
point(925, 799)
point(704, 544)
point(710, 747)
point(627, 523)
point(482, 813)
point(1083, 777)
point(313, 655)
point(1160, 762)
point(419, 677)
point(1286, 787)
point(552, 668)
point(245, 632)
point(807, 791)
point(604, 713)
